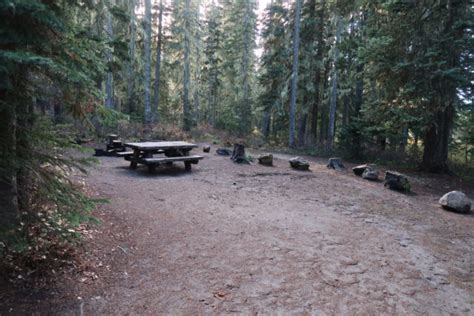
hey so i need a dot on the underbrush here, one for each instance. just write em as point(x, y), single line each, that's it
point(55, 208)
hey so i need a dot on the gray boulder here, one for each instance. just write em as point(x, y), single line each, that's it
point(299, 164)
point(336, 164)
point(370, 174)
point(265, 159)
point(456, 201)
point(397, 181)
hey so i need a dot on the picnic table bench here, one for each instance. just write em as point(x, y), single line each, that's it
point(173, 151)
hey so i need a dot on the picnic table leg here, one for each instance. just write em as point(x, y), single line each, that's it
point(134, 161)
point(187, 165)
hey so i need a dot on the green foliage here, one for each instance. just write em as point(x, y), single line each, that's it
point(55, 205)
point(46, 53)
point(107, 119)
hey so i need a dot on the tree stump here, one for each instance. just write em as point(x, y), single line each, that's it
point(336, 164)
point(265, 159)
point(238, 155)
point(397, 181)
point(109, 140)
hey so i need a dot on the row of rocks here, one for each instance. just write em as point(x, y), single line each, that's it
point(393, 180)
point(454, 201)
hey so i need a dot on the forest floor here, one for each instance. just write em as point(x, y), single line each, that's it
point(229, 238)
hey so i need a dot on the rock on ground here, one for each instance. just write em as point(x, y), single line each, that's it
point(299, 164)
point(456, 201)
point(206, 148)
point(397, 181)
point(265, 159)
point(370, 174)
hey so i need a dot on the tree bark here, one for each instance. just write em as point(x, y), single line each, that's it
point(324, 108)
point(197, 80)
point(436, 141)
point(156, 95)
point(109, 81)
point(333, 105)
point(186, 71)
point(266, 124)
point(294, 73)
point(147, 28)
point(131, 63)
point(245, 106)
point(9, 210)
point(302, 129)
point(318, 73)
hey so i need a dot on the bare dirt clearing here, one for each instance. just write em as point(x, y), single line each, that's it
point(229, 238)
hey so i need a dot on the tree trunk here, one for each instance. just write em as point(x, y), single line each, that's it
point(266, 124)
point(355, 133)
point(294, 73)
point(197, 80)
point(436, 141)
point(109, 90)
point(186, 71)
point(317, 74)
point(147, 28)
point(404, 140)
point(302, 129)
point(156, 95)
point(245, 107)
point(333, 105)
point(324, 108)
point(131, 55)
point(9, 210)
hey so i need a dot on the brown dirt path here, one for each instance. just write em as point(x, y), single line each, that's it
point(230, 238)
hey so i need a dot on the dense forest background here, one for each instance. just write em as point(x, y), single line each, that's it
point(365, 79)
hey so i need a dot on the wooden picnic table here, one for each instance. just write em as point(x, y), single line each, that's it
point(174, 151)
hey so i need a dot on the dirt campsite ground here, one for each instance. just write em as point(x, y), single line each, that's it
point(248, 239)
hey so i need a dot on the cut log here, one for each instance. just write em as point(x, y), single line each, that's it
point(265, 159)
point(299, 164)
point(336, 164)
point(238, 155)
point(397, 181)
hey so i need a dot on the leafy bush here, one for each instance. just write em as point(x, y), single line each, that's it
point(55, 207)
point(107, 120)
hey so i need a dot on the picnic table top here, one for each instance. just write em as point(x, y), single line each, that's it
point(161, 145)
